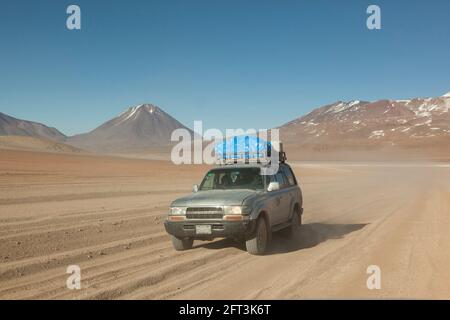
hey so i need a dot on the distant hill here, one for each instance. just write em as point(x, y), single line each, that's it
point(18, 127)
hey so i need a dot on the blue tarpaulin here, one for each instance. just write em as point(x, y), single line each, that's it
point(243, 147)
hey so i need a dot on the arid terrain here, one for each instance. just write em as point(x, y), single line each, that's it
point(106, 215)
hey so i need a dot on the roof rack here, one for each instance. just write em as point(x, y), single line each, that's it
point(248, 150)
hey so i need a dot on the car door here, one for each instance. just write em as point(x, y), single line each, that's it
point(274, 203)
point(278, 200)
point(285, 196)
point(290, 191)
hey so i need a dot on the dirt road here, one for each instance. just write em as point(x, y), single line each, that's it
point(106, 214)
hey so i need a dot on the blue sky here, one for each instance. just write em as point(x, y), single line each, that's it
point(232, 64)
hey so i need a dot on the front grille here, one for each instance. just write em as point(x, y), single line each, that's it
point(204, 213)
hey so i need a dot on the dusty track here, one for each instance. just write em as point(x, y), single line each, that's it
point(105, 215)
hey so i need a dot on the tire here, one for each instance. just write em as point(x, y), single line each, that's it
point(182, 244)
point(258, 243)
point(293, 231)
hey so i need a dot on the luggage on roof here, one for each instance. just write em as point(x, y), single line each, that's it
point(245, 149)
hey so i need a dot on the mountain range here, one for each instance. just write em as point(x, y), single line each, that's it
point(411, 123)
point(418, 122)
point(135, 129)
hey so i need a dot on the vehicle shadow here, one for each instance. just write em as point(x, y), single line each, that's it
point(310, 235)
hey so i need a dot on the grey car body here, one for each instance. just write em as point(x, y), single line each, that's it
point(277, 207)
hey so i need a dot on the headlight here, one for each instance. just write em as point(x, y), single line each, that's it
point(236, 210)
point(177, 211)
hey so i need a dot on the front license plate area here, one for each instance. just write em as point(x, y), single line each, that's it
point(203, 229)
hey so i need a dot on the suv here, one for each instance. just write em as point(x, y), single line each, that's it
point(236, 201)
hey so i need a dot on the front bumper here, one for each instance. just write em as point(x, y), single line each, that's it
point(219, 228)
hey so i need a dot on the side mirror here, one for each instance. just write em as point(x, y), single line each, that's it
point(273, 186)
point(195, 188)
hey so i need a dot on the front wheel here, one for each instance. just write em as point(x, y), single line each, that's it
point(182, 244)
point(258, 243)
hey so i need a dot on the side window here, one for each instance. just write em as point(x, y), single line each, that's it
point(281, 179)
point(290, 175)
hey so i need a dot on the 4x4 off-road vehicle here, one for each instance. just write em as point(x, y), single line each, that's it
point(235, 200)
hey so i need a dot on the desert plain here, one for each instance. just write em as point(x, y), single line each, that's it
point(105, 214)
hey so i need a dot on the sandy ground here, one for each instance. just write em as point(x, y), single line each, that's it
point(105, 215)
point(35, 144)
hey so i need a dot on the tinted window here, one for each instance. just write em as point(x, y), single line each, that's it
point(281, 179)
point(290, 176)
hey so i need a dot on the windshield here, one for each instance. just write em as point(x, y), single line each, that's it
point(233, 178)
